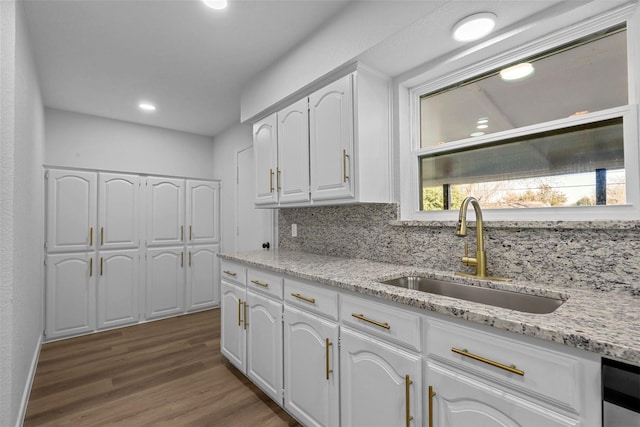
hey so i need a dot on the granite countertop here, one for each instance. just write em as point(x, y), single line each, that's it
point(607, 323)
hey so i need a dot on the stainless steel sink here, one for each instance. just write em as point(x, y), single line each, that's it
point(496, 297)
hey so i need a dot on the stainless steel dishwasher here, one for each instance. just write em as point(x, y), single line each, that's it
point(620, 394)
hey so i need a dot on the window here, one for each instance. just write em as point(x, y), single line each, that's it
point(552, 138)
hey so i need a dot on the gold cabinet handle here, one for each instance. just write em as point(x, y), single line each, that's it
point(270, 180)
point(345, 177)
point(239, 312)
point(90, 236)
point(190, 233)
point(230, 273)
point(182, 233)
point(407, 395)
point(101, 259)
point(431, 396)
point(309, 300)
point(91, 267)
point(259, 283)
point(508, 368)
point(374, 322)
point(189, 258)
point(245, 314)
point(182, 259)
point(278, 172)
point(327, 345)
point(101, 236)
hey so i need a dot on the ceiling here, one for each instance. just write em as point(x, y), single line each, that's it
point(102, 57)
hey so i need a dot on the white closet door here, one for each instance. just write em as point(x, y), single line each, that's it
point(118, 211)
point(70, 294)
point(118, 288)
point(203, 277)
point(165, 282)
point(203, 212)
point(165, 211)
point(71, 210)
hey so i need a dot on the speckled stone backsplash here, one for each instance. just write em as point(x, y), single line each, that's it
point(588, 256)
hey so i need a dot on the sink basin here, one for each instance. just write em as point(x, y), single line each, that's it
point(496, 297)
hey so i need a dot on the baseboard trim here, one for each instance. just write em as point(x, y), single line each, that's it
point(27, 387)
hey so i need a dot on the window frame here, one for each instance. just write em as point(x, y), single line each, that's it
point(408, 98)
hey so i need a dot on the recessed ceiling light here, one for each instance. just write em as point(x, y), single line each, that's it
point(474, 27)
point(483, 126)
point(517, 72)
point(145, 106)
point(483, 120)
point(216, 4)
point(477, 134)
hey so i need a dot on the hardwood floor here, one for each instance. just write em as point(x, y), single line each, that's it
point(168, 372)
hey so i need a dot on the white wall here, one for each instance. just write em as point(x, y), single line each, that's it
point(362, 25)
point(225, 147)
point(85, 141)
point(21, 215)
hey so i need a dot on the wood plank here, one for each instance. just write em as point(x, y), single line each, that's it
point(166, 372)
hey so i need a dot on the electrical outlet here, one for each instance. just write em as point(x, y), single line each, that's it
point(294, 230)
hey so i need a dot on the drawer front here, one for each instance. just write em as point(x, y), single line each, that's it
point(264, 282)
point(233, 272)
point(313, 298)
point(382, 321)
point(536, 371)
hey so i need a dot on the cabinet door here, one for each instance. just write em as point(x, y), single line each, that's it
point(118, 211)
point(265, 149)
point(292, 175)
point(203, 277)
point(165, 282)
point(70, 294)
point(380, 384)
point(118, 287)
point(233, 341)
point(71, 210)
point(165, 211)
point(311, 380)
point(203, 212)
point(463, 401)
point(264, 344)
point(331, 141)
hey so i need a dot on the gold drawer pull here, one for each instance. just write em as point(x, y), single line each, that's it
point(230, 273)
point(511, 368)
point(374, 322)
point(407, 396)
point(259, 283)
point(309, 300)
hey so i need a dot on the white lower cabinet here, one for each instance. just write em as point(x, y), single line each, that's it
point(165, 282)
point(118, 278)
point(264, 344)
point(203, 277)
point(233, 341)
point(70, 294)
point(462, 401)
point(380, 383)
point(312, 371)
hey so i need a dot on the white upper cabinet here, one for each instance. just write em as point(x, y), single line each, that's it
point(71, 210)
point(118, 211)
point(203, 206)
point(292, 173)
point(165, 211)
point(330, 147)
point(118, 278)
point(265, 148)
point(331, 141)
